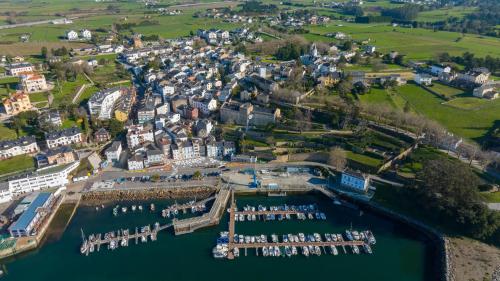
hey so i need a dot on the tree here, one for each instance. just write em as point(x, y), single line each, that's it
point(344, 87)
point(197, 175)
point(337, 158)
point(407, 107)
point(155, 178)
point(44, 52)
point(115, 127)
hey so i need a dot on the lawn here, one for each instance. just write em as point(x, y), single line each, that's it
point(446, 91)
point(491, 197)
point(363, 159)
point(67, 90)
point(382, 96)
point(416, 43)
point(6, 133)
point(469, 123)
point(444, 13)
point(16, 164)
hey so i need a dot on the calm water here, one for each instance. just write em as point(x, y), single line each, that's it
point(399, 254)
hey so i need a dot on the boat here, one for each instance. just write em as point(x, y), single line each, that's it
point(305, 251)
point(285, 238)
point(144, 238)
point(124, 209)
point(115, 212)
point(328, 237)
point(265, 251)
point(317, 250)
point(152, 207)
point(323, 216)
point(134, 207)
point(91, 248)
point(83, 248)
point(370, 237)
point(310, 216)
point(294, 250)
point(355, 249)
point(241, 238)
point(302, 237)
point(355, 235)
point(367, 249)
point(274, 238)
point(140, 208)
point(236, 252)
point(348, 235)
point(333, 250)
point(288, 251)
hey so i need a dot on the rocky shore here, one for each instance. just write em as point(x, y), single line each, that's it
point(99, 197)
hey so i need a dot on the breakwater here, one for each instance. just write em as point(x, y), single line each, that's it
point(98, 197)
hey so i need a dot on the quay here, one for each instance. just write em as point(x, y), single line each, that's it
point(296, 244)
point(189, 205)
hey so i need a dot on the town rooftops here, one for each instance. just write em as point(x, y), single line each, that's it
point(98, 97)
point(114, 146)
point(63, 133)
point(30, 213)
point(58, 150)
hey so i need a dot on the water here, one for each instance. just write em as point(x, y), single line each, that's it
point(400, 254)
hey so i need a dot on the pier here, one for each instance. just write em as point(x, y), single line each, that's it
point(198, 205)
point(208, 219)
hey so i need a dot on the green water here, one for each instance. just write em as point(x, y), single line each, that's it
point(400, 254)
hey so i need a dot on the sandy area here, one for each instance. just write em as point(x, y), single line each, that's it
point(473, 260)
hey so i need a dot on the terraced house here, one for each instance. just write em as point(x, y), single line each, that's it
point(23, 145)
point(64, 137)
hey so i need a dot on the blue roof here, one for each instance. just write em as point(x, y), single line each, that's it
point(30, 213)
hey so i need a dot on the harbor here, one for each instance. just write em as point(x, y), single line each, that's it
point(178, 253)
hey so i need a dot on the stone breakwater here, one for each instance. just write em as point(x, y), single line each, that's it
point(98, 197)
point(496, 274)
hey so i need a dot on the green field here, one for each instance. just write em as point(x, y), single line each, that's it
point(6, 133)
point(16, 164)
point(415, 43)
point(446, 91)
point(444, 13)
point(471, 123)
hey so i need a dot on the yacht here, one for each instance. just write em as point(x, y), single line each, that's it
point(274, 238)
point(305, 251)
point(124, 209)
point(317, 250)
point(152, 207)
point(84, 247)
point(140, 208)
point(241, 238)
point(355, 235)
point(288, 251)
point(367, 249)
point(333, 250)
point(134, 207)
point(370, 237)
point(294, 250)
point(236, 252)
point(348, 235)
point(265, 251)
point(302, 237)
point(328, 237)
point(285, 238)
point(355, 249)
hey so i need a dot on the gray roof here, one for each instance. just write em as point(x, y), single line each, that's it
point(22, 141)
point(63, 133)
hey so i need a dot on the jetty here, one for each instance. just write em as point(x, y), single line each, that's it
point(208, 219)
point(194, 206)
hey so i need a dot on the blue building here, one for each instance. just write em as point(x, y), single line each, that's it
point(31, 217)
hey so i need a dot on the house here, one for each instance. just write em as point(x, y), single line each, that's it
point(71, 35)
point(138, 135)
point(355, 180)
point(36, 211)
point(16, 69)
point(17, 103)
point(203, 128)
point(113, 152)
point(63, 137)
point(48, 177)
point(101, 136)
point(136, 162)
point(474, 77)
point(146, 112)
point(369, 49)
point(205, 105)
point(423, 79)
point(33, 82)
point(60, 156)
point(5, 194)
point(123, 106)
point(437, 70)
point(241, 113)
point(154, 157)
point(86, 34)
point(50, 117)
point(489, 90)
point(23, 145)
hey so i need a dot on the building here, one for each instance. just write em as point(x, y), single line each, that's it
point(488, 90)
point(23, 145)
point(17, 103)
point(60, 155)
point(33, 82)
point(204, 105)
point(71, 35)
point(50, 117)
point(16, 69)
point(86, 34)
point(30, 219)
point(113, 152)
point(49, 177)
point(154, 157)
point(136, 162)
point(5, 194)
point(146, 112)
point(423, 79)
point(354, 180)
point(102, 103)
point(101, 136)
point(124, 105)
point(138, 135)
point(475, 77)
point(64, 137)
point(241, 113)
point(437, 70)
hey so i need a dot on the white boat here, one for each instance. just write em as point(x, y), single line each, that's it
point(144, 238)
point(140, 208)
point(302, 237)
point(265, 251)
point(236, 252)
point(134, 207)
point(305, 251)
point(152, 207)
point(294, 250)
point(317, 250)
point(355, 249)
point(367, 249)
point(124, 209)
point(333, 250)
point(84, 246)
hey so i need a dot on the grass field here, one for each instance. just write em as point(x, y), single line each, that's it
point(444, 13)
point(446, 91)
point(471, 123)
point(491, 197)
point(416, 43)
point(17, 163)
point(6, 133)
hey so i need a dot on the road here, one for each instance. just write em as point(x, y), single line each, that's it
point(28, 23)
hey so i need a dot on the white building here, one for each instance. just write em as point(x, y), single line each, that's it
point(204, 105)
point(64, 137)
point(5, 194)
point(423, 79)
point(114, 151)
point(440, 69)
point(23, 145)
point(33, 82)
point(86, 34)
point(72, 35)
point(138, 135)
point(355, 181)
point(48, 177)
point(16, 69)
point(102, 103)
point(136, 162)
